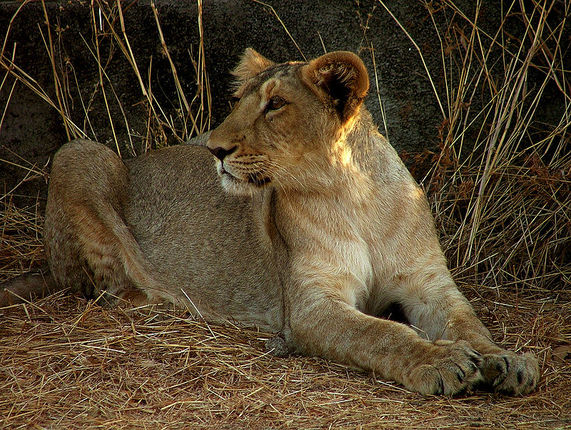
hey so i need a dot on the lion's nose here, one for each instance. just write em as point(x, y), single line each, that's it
point(220, 152)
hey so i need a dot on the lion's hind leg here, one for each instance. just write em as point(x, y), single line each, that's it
point(88, 243)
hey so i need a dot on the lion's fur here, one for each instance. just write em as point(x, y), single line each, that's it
point(317, 229)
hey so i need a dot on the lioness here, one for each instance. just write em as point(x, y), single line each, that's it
point(311, 228)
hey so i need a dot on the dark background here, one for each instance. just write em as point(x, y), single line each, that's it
point(32, 130)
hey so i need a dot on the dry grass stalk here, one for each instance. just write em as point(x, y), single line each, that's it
point(20, 235)
point(108, 28)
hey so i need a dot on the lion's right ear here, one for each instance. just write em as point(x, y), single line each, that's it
point(342, 78)
point(250, 65)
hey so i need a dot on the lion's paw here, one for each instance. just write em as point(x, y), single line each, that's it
point(510, 373)
point(448, 368)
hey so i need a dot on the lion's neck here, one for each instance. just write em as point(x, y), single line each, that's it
point(364, 141)
point(345, 180)
point(346, 170)
point(333, 226)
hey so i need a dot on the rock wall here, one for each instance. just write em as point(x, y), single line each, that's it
point(32, 130)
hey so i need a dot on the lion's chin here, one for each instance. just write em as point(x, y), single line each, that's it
point(237, 187)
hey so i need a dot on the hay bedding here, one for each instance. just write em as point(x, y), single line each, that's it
point(68, 363)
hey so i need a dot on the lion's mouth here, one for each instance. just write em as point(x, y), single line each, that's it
point(253, 179)
point(258, 181)
point(225, 173)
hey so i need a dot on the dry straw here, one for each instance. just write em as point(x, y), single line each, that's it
point(65, 363)
point(503, 210)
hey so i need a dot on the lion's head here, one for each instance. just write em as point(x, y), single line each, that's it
point(287, 120)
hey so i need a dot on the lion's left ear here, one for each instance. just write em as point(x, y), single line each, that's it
point(343, 77)
point(250, 65)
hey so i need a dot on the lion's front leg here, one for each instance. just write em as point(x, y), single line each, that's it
point(440, 311)
point(324, 323)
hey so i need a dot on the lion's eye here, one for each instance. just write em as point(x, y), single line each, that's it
point(275, 103)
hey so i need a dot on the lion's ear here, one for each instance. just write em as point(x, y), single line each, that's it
point(343, 77)
point(250, 65)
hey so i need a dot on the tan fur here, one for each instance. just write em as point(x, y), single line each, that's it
point(316, 230)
